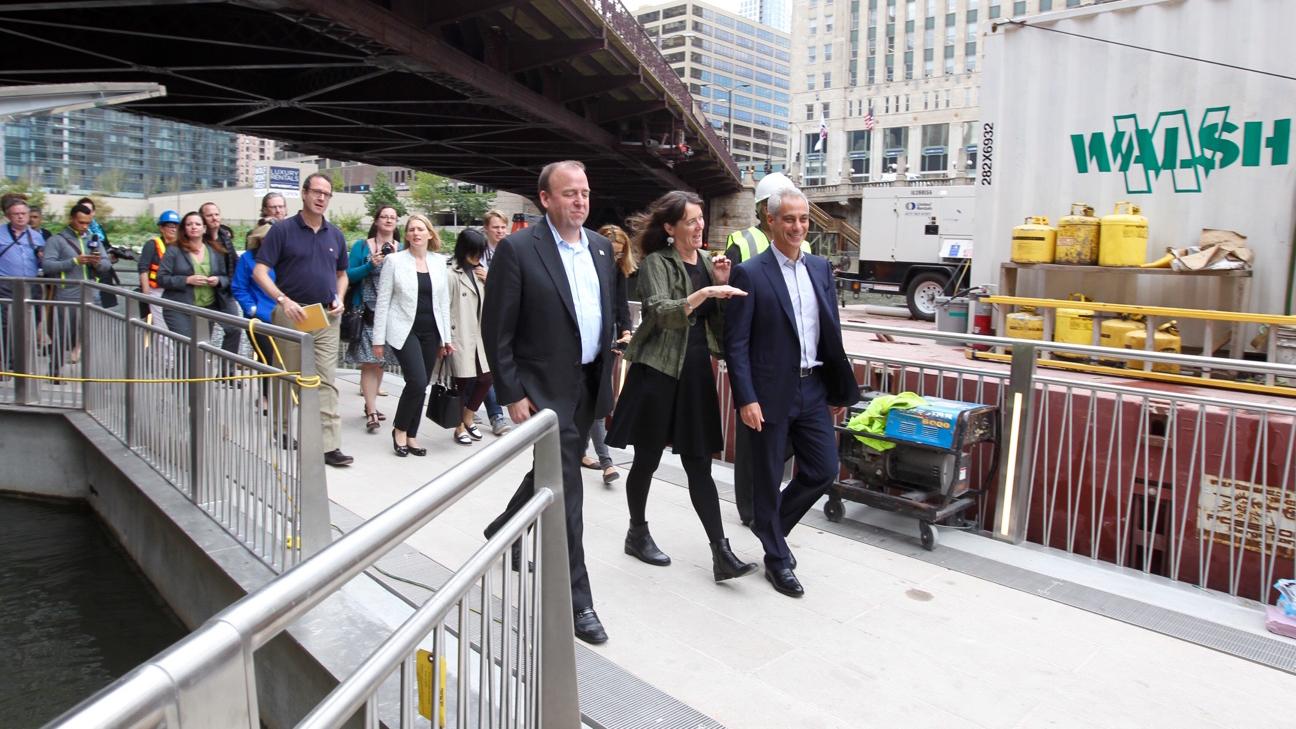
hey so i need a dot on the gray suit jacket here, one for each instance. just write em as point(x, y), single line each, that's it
point(61, 251)
point(176, 267)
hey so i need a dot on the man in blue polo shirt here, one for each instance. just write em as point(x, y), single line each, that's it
point(309, 258)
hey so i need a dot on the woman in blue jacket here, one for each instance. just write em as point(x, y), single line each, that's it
point(254, 302)
point(363, 270)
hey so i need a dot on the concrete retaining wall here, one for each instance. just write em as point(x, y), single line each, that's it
point(195, 565)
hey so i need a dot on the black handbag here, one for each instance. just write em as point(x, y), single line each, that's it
point(444, 405)
point(351, 325)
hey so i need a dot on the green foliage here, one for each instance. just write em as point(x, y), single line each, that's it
point(383, 193)
point(23, 186)
point(103, 211)
point(425, 191)
point(337, 179)
point(350, 223)
point(448, 240)
point(433, 194)
point(110, 181)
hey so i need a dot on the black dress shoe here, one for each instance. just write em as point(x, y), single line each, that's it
point(785, 582)
point(793, 558)
point(639, 544)
point(400, 450)
point(588, 627)
point(337, 458)
point(416, 451)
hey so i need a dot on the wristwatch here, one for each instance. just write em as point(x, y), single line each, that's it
point(280, 298)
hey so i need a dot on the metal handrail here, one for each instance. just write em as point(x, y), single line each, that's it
point(270, 496)
point(208, 680)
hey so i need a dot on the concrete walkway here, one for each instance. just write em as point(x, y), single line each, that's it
point(880, 639)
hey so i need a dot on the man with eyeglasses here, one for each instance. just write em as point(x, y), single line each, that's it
point(308, 255)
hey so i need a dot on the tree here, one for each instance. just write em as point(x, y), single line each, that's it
point(467, 204)
point(433, 194)
point(425, 192)
point(382, 193)
point(110, 181)
point(338, 180)
point(23, 186)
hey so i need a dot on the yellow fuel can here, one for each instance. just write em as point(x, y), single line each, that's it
point(1115, 333)
point(1073, 326)
point(1164, 339)
point(1025, 324)
point(1077, 237)
point(1123, 237)
point(1034, 241)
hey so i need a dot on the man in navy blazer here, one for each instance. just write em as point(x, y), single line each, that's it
point(547, 328)
point(787, 366)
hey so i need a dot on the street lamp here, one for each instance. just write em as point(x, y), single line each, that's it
point(731, 104)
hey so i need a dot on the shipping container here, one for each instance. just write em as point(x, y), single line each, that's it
point(1183, 107)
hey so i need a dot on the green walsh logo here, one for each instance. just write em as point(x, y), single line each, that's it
point(1171, 146)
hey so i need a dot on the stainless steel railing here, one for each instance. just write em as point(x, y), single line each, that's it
point(245, 449)
point(521, 672)
point(1194, 487)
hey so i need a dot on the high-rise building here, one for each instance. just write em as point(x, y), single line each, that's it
point(113, 152)
point(723, 56)
point(774, 13)
point(252, 150)
point(887, 89)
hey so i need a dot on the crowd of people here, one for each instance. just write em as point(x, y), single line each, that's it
point(537, 320)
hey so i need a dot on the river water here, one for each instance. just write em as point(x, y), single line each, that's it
point(75, 614)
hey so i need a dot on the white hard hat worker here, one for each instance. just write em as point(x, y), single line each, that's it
point(743, 245)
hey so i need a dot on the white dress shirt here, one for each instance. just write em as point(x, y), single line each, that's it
point(805, 307)
point(582, 278)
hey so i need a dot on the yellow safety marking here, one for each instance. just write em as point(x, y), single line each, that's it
point(428, 685)
point(1145, 375)
point(1164, 311)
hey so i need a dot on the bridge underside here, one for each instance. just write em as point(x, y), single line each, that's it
point(485, 91)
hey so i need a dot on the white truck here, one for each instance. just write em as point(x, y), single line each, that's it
point(915, 242)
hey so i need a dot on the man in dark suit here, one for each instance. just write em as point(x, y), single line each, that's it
point(547, 325)
point(786, 367)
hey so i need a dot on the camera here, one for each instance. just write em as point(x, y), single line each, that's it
point(120, 252)
point(388, 249)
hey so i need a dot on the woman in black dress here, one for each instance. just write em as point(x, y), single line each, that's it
point(670, 396)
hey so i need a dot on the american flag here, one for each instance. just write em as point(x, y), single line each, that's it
point(869, 121)
point(823, 135)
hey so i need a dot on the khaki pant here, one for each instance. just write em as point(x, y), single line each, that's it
point(326, 355)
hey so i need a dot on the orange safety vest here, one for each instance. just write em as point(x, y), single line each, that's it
point(160, 246)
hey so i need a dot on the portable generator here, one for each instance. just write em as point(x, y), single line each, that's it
point(926, 471)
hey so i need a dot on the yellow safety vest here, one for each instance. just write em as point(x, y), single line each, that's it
point(160, 246)
point(752, 242)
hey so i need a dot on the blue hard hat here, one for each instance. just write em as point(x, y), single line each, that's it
point(169, 216)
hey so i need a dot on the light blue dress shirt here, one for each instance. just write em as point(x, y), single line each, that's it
point(805, 307)
point(582, 277)
point(18, 254)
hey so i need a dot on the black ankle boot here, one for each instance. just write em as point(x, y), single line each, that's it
point(639, 543)
point(725, 564)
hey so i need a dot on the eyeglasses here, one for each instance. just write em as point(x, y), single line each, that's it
point(321, 193)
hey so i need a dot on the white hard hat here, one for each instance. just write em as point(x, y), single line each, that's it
point(769, 183)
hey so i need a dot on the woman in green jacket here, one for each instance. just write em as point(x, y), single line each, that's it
point(669, 394)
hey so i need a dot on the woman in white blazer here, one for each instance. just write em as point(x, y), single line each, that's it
point(412, 316)
point(468, 363)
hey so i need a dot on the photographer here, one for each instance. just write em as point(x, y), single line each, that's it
point(363, 270)
point(75, 253)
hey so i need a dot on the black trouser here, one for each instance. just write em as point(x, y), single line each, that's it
point(702, 489)
point(742, 471)
point(572, 434)
point(808, 429)
point(417, 358)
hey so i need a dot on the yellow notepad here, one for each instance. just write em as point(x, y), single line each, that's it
point(316, 319)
